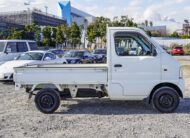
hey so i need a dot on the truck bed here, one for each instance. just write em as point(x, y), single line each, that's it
point(62, 74)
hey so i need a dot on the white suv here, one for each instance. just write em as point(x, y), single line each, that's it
point(9, 49)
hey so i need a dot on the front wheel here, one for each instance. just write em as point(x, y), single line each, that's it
point(165, 100)
point(47, 100)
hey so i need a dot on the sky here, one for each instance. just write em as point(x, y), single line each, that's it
point(162, 12)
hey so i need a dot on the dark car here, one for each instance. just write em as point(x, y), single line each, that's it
point(58, 52)
point(100, 55)
point(79, 57)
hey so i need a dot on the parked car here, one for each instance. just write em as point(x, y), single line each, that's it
point(133, 51)
point(9, 49)
point(122, 51)
point(58, 52)
point(178, 50)
point(100, 55)
point(29, 58)
point(79, 57)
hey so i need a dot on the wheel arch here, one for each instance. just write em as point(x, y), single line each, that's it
point(174, 86)
point(44, 86)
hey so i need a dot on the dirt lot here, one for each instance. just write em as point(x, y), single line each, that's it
point(90, 117)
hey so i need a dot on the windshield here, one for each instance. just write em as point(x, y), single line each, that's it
point(2, 45)
point(30, 56)
point(33, 46)
point(74, 54)
point(99, 52)
point(178, 48)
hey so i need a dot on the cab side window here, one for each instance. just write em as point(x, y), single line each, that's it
point(11, 47)
point(22, 47)
point(131, 44)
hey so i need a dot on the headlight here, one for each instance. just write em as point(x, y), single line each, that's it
point(181, 73)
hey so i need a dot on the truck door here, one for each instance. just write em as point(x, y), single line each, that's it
point(134, 68)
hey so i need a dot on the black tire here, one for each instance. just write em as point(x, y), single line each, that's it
point(165, 100)
point(47, 100)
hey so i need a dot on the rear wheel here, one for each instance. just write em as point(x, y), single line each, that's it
point(47, 100)
point(165, 100)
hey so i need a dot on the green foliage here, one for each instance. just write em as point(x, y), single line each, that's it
point(3, 35)
point(98, 28)
point(148, 32)
point(75, 34)
point(187, 49)
point(47, 35)
point(59, 36)
point(33, 31)
point(175, 34)
point(13, 33)
point(185, 37)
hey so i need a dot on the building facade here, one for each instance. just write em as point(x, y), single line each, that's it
point(30, 17)
point(74, 15)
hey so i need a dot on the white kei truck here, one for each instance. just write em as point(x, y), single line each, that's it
point(150, 74)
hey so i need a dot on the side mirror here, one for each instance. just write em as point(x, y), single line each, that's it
point(47, 59)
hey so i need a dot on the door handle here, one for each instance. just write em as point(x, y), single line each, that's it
point(117, 65)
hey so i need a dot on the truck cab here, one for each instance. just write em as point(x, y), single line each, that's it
point(150, 74)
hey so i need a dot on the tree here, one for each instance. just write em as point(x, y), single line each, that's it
point(151, 23)
point(146, 22)
point(53, 35)
point(148, 32)
point(185, 37)
point(175, 34)
point(3, 34)
point(75, 34)
point(19, 35)
point(33, 32)
point(13, 33)
point(59, 36)
point(91, 35)
point(47, 35)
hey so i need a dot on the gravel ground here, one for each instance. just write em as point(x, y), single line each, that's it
point(90, 117)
